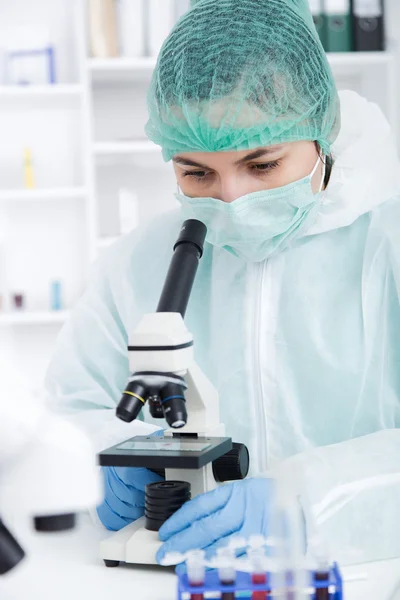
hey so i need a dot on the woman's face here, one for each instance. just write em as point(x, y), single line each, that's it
point(227, 176)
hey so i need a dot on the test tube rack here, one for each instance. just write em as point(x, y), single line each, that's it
point(330, 589)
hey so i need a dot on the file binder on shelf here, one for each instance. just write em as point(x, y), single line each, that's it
point(160, 19)
point(131, 27)
point(368, 25)
point(339, 35)
point(103, 28)
point(318, 15)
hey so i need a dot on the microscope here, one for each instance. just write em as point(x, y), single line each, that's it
point(47, 469)
point(194, 453)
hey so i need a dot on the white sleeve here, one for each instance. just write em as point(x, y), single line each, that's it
point(350, 495)
point(350, 491)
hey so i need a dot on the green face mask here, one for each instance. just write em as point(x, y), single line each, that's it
point(255, 226)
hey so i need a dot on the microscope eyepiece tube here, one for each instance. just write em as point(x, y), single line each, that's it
point(132, 401)
point(156, 410)
point(183, 268)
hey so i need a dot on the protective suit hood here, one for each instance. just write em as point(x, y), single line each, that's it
point(366, 172)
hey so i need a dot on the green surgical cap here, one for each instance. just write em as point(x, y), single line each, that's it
point(242, 74)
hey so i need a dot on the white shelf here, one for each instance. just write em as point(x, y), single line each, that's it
point(41, 96)
point(105, 242)
point(119, 69)
point(52, 194)
point(357, 60)
point(134, 147)
point(34, 318)
point(122, 68)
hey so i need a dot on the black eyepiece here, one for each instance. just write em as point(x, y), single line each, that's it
point(192, 232)
point(182, 271)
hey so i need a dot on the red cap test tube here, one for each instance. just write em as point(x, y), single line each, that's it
point(226, 570)
point(258, 573)
point(196, 571)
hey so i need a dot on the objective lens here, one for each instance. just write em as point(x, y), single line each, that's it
point(174, 404)
point(156, 410)
point(132, 401)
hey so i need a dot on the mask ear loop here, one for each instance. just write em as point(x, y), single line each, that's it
point(321, 187)
point(323, 173)
point(315, 167)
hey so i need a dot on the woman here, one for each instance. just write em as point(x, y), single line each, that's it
point(295, 311)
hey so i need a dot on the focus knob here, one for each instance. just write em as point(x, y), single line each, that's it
point(233, 465)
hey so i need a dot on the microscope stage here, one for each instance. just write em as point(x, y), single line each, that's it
point(165, 452)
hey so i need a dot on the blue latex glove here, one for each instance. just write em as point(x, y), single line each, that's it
point(208, 521)
point(124, 495)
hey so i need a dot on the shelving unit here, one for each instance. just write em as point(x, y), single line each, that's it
point(38, 195)
point(106, 242)
point(131, 68)
point(88, 141)
point(122, 147)
point(126, 66)
point(41, 96)
point(358, 59)
point(38, 318)
point(44, 231)
point(117, 69)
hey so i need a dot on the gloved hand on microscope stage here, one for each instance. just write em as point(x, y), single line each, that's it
point(124, 494)
point(240, 509)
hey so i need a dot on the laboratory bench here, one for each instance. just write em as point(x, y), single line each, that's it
point(68, 567)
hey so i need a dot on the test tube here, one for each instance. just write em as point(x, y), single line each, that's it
point(196, 571)
point(226, 570)
point(237, 543)
point(258, 573)
point(257, 541)
point(322, 573)
point(291, 578)
point(321, 566)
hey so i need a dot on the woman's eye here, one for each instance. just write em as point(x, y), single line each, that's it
point(195, 174)
point(264, 167)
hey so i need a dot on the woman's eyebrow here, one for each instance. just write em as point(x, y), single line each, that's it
point(259, 152)
point(180, 160)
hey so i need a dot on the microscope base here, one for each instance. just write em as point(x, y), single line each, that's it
point(111, 563)
point(133, 544)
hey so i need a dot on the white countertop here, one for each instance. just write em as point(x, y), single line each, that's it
point(67, 567)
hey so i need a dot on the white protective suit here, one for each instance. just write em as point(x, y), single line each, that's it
point(304, 348)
